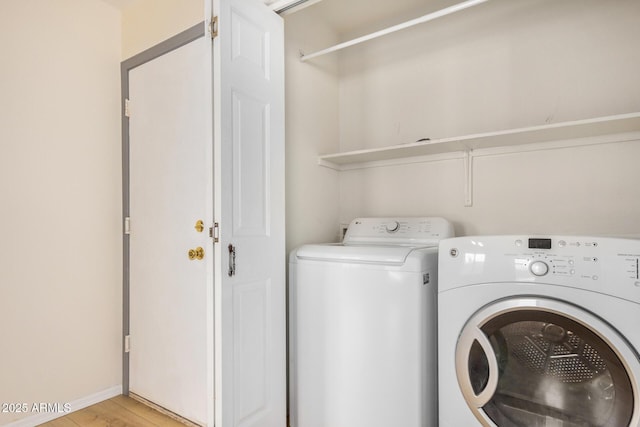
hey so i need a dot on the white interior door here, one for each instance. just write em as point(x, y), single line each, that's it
point(171, 188)
point(249, 176)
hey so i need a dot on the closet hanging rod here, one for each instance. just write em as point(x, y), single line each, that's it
point(426, 18)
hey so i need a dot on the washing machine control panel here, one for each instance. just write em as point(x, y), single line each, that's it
point(427, 231)
point(605, 265)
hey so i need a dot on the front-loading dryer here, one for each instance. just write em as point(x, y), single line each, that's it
point(362, 326)
point(539, 331)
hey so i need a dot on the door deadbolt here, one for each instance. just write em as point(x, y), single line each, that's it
point(197, 253)
point(199, 226)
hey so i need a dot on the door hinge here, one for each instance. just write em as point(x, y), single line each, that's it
point(127, 343)
point(127, 225)
point(214, 232)
point(127, 107)
point(213, 27)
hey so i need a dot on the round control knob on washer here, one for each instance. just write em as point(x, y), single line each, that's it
point(539, 268)
point(392, 226)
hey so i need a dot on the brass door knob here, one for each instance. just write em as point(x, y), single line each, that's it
point(197, 253)
point(199, 226)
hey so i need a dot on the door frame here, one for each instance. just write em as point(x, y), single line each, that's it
point(173, 43)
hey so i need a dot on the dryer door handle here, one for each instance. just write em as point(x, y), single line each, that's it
point(471, 334)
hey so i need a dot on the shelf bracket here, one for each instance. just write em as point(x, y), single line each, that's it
point(468, 178)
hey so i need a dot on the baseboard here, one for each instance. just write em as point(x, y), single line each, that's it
point(76, 405)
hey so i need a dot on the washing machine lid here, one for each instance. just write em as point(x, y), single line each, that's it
point(381, 241)
point(376, 254)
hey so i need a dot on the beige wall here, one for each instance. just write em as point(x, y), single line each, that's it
point(60, 181)
point(311, 99)
point(588, 190)
point(146, 23)
point(497, 66)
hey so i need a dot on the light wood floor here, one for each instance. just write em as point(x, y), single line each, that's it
point(120, 411)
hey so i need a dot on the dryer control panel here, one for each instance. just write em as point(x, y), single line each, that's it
point(606, 265)
point(546, 256)
point(413, 231)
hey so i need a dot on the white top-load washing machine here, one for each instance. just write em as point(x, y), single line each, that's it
point(539, 331)
point(362, 326)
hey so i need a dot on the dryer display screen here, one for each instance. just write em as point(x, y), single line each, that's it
point(539, 243)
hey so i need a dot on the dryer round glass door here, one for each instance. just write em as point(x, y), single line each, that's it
point(542, 362)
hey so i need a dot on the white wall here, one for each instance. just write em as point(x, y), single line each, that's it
point(500, 65)
point(311, 129)
point(60, 181)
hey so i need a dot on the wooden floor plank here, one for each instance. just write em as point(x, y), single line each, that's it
point(91, 417)
point(62, 422)
point(146, 412)
point(120, 411)
point(124, 415)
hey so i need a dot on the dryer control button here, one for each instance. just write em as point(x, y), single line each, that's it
point(539, 268)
